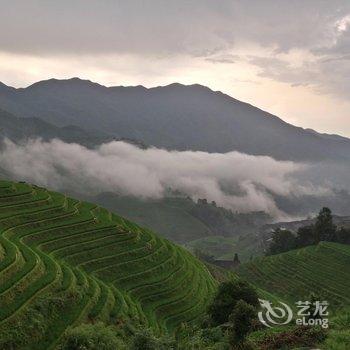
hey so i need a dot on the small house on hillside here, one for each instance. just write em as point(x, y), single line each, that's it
point(228, 264)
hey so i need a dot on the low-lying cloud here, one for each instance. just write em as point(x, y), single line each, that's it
point(234, 180)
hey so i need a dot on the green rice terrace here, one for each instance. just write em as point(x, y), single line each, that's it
point(322, 269)
point(64, 262)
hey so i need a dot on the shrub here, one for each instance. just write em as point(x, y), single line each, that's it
point(296, 337)
point(338, 340)
point(92, 337)
point(145, 340)
point(193, 338)
point(241, 319)
point(229, 293)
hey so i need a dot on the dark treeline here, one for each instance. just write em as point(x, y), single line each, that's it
point(322, 230)
point(225, 222)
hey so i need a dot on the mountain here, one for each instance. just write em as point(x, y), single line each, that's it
point(64, 262)
point(15, 129)
point(18, 129)
point(174, 117)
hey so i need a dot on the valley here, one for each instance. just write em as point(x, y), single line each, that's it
point(175, 175)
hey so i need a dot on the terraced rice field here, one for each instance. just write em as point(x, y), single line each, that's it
point(323, 269)
point(64, 262)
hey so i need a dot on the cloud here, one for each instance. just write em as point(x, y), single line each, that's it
point(209, 42)
point(234, 180)
point(325, 70)
point(166, 27)
point(86, 26)
point(220, 33)
point(225, 58)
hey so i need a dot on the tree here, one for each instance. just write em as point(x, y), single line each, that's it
point(343, 235)
point(226, 298)
point(324, 228)
point(91, 337)
point(281, 241)
point(305, 236)
point(241, 318)
point(144, 340)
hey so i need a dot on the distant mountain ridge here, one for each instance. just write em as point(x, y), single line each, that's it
point(21, 129)
point(174, 117)
point(16, 128)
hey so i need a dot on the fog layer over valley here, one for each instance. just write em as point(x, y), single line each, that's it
point(233, 180)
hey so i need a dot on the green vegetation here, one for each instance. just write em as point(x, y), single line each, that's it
point(75, 276)
point(182, 220)
point(231, 317)
point(281, 241)
point(227, 297)
point(310, 265)
point(294, 275)
point(289, 338)
point(169, 216)
point(339, 336)
point(323, 230)
point(241, 318)
point(91, 337)
point(225, 248)
point(64, 263)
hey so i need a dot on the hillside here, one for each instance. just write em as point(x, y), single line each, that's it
point(181, 219)
point(197, 225)
point(246, 246)
point(18, 129)
point(64, 262)
point(174, 116)
point(292, 276)
point(167, 216)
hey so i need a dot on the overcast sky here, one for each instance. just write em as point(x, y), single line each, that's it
point(291, 58)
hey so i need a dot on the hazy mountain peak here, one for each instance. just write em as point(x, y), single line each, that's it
point(175, 116)
point(5, 88)
point(74, 82)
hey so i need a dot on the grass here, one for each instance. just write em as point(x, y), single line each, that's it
point(85, 264)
